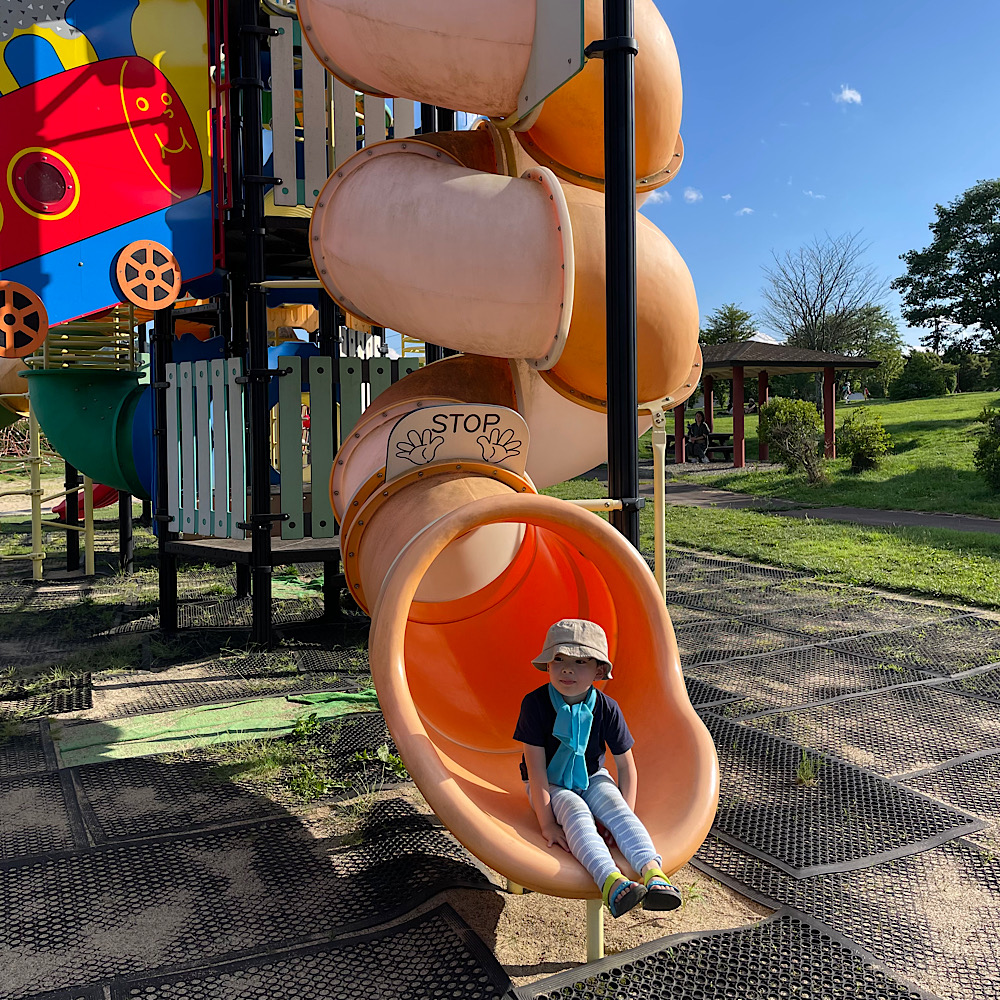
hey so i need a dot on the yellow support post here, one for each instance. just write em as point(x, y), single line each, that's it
point(660, 498)
point(88, 525)
point(595, 929)
point(35, 464)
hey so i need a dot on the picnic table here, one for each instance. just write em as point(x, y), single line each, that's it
point(720, 446)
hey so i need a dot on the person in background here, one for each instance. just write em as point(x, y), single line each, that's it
point(697, 439)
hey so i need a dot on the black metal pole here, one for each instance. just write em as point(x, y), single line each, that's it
point(70, 483)
point(162, 349)
point(619, 171)
point(445, 120)
point(126, 543)
point(253, 227)
point(428, 118)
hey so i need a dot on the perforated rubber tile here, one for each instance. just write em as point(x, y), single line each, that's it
point(239, 612)
point(352, 661)
point(978, 683)
point(972, 785)
point(852, 614)
point(931, 917)
point(117, 911)
point(33, 817)
point(147, 796)
point(756, 597)
point(949, 647)
point(702, 693)
point(846, 818)
point(725, 638)
point(435, 955)
point(894, 731)
point(787, 955)
point(203, 788)
point(23, 753)
point(801, 676)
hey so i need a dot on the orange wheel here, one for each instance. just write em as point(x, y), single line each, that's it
point(23, 320)
point(148, 275)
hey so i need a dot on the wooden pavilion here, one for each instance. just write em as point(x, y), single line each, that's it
point(740, 359)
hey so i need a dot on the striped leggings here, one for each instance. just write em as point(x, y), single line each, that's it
point(575, 813)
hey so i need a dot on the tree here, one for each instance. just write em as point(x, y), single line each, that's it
point(924, 374)
point(727, 324)
point(814, 294)
point(953, 285)
point(876, 336)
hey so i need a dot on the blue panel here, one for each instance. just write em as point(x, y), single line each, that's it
point(31, 58)
point(142, 442)
point(188, 347)
point(106, 23)
point(76, 280)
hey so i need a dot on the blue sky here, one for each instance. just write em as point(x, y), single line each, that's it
point(859, 115)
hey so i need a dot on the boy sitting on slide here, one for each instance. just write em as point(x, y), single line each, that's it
point(565, 726)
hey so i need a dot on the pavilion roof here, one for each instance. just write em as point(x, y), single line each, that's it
point(756, 357)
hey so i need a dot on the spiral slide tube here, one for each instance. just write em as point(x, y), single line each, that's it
point(493, 244)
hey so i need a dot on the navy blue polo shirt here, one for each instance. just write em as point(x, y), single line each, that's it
point(538, 716)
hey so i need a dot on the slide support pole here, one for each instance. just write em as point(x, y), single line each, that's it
point(595, 929)
point(619, 50)
point(71, 484)
point(659, 498)
point(162, 351)
point(35, 469)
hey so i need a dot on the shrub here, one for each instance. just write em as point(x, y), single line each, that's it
point(974, 372)
point(987, 455)
point(863, 439)
point(794, 429)
point(924, 374)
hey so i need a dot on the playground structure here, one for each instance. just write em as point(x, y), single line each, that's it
point(443, 537)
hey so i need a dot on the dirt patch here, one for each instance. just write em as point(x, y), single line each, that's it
point(534, 936)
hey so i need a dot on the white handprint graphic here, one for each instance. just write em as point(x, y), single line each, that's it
point(498, 446)
point(419, 448)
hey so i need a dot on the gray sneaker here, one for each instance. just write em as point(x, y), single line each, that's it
point(705, 460)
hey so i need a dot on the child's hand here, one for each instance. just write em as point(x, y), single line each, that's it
point(553, 834)
point(605, 834)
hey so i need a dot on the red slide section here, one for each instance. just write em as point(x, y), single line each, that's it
point(104, 496)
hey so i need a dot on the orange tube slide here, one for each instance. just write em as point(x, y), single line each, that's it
point(493, 244)
point(451, 675)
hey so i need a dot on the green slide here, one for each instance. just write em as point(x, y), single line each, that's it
point(87, 415)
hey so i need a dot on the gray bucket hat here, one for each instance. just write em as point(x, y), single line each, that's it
point(575, 637)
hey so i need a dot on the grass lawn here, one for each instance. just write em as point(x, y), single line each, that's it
point(952, 565)
point(930, 467)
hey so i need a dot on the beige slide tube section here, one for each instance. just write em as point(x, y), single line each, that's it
point(12, 385)
point(454, 53)
point(479, 262)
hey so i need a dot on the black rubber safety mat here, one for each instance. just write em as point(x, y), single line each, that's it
point(972, 785)
point(808, 816)
point(74, 993)
point(72, 695)
point(434, 955)
point(931, 917)
point(33, 817)
point(983, 683)
point(893, 731)
point(800, 677)
point(758, 596)
point(352, 660)
point(725, 638)
point(721, 573)
point(949, 647)
point(681, 614)
point(787, 955)
point(702, 693)
point(239, 612)
point(205, 788)
point(147, 796)
point(853, 615)
point(117, 911)
point(23, 751)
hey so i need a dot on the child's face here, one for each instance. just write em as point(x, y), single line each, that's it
point(572, 676)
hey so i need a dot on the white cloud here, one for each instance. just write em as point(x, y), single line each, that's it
point(812, 194)
point(726, 197)
point(745, 211)
point(691, 195)
point(655, 197)
point(847, 95)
